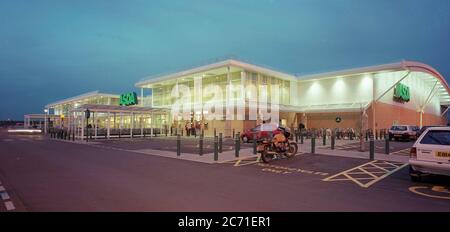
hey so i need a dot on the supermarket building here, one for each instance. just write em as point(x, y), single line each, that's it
point(374, 97)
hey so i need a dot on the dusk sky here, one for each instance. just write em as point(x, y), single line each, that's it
point(50, 50)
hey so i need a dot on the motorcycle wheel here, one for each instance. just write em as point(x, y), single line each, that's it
point(293, 148)
point(265, 156)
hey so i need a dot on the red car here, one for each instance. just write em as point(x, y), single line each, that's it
point(248, 135)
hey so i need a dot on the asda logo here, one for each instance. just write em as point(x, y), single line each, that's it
point(128, 99)
point(401, 93)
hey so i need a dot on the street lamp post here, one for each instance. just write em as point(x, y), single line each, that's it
point(45, 120)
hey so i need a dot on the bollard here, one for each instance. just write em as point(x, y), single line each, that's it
point(301, 137)
point(233, 133)
point(372, 148)
point(351, 135)
point(332, 141)
point(367, 136)
point(313, 144)
point(73, 135)
point(200, 145)
point(376, 134)
point(178, 145)
point(324, 139)
point(216, 148)
point(386, 145)
point(220, 142)
point(236, 145)
point(215, 132)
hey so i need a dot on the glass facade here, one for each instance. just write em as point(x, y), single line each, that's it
point(64, 108)
point(161, 92)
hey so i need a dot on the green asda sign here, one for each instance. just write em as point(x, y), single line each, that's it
point(128, 99)
point(401, 93)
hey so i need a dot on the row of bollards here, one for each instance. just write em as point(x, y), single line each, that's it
point(217, 145)
point(370, 138)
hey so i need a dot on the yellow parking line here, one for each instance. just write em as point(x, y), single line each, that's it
point(357, 173)
point(414, 190)
point(342, 173)
point(354, 180)
point(379, 167)
point(391, 164)
point(346, 179)
point(385, 175)
point(368, 173)
point(366, 169)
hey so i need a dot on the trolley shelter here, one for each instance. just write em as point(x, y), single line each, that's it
point(112, 121)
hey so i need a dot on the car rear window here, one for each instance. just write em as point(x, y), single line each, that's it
point(436, 137)
point(399, 128)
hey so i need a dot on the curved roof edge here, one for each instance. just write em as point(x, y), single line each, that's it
point(81, 96)
point(418, 66)
point(404, 65)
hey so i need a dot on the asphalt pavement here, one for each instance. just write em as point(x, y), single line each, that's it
point(40, 174)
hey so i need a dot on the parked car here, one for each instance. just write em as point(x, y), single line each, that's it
point(423, 129)
point(249, 135)
point(403, 132)
point(430, 154)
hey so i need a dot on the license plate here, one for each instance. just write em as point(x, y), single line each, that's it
point(397, 135)
point(443, 154)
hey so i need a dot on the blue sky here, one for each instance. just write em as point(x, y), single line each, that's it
point(56, 49)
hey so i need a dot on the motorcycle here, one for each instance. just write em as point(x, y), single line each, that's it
point(271, 149)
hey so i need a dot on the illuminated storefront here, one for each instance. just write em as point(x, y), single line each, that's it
point(373, 97)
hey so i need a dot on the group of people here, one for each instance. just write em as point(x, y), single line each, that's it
point(190, 128)
point(339, 132)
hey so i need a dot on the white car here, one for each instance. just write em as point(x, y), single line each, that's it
point(430, 154)
point(403, 132)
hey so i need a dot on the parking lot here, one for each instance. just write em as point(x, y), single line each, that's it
point(41, 174)
point(395, 147)
point(189, 144)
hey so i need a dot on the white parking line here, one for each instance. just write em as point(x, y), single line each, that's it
point(9, 205)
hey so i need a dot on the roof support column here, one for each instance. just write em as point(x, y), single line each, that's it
point(95, 125)
point(430, 96)
point(131, 124)
point(374, 124)
point(152, 119)
point(142, 124)
point(82, 127)
point(108, 125)
point(120, 123)
point(160, 125)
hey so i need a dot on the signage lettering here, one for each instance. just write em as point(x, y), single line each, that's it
point(128, 99)
point(401, 93)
